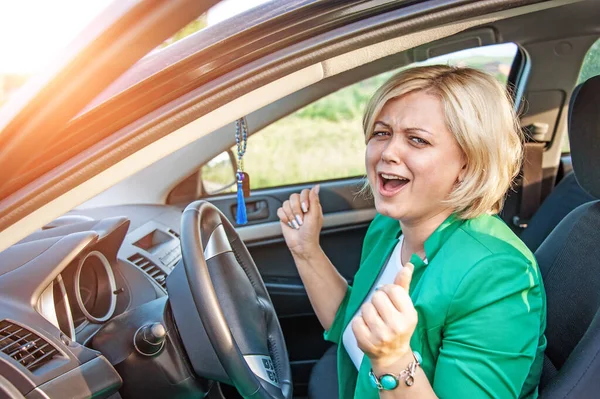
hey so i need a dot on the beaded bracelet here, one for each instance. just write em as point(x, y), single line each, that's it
point(388, 382)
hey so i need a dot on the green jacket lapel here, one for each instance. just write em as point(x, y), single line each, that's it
point(378, 250)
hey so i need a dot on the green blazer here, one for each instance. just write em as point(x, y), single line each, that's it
point(481, 306)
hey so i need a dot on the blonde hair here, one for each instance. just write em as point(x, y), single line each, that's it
point(479, 113)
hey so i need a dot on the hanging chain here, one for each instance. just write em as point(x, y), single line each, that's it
point(241, 139)
point(243, 181)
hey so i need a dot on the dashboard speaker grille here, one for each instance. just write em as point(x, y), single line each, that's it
point(150, 268)
point(24, 346)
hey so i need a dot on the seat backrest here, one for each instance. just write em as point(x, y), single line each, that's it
point(565, 197)
point(569, 261)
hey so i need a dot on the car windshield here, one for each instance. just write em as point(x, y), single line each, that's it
point(30, 41)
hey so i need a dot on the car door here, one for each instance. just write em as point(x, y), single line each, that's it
point(276, 170)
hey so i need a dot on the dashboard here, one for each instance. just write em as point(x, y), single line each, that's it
point(84, 292)
point(63, 283)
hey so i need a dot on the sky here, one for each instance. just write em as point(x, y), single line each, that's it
point(228, 8)
point(32, 32)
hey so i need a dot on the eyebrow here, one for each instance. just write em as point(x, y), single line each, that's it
point(408, 129)
point(418, 129)
point(384, 124)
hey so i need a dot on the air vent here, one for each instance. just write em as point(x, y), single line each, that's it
point(150, 269)
point(176, 234)
point(27, 348)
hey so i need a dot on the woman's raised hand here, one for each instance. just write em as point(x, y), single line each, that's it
point(301, 219)
point(386, 324)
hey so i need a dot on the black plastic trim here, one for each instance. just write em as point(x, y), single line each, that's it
point(96, 378)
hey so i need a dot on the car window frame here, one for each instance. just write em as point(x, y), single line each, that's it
point(515, 83)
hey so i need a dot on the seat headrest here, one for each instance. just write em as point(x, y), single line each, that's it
point(584, 136)
point(571, 103)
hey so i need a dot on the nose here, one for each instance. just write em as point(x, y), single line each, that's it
point(392, 153)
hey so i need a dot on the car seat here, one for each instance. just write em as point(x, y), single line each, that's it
point(569, 261)
point(565, 197)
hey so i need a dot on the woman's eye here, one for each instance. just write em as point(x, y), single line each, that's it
point(380, 134)
point(418, 140)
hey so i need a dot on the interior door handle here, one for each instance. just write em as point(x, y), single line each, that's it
point(255, 210)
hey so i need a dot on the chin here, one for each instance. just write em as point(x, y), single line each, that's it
point(393, 211)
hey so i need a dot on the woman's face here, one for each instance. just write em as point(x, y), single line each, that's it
point(412, 159)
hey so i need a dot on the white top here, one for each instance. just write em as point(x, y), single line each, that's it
point(388, 275)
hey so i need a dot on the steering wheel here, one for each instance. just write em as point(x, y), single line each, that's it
point(234, 305)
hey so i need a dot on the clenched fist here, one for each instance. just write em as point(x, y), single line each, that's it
point(301, 219)
point(386, 324)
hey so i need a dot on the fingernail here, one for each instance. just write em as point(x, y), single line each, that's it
point(299, 220)
point(290, 224)
point(317, 188)
point(304, 207)
point(295, 224)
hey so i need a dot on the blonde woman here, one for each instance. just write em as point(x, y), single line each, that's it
point(447, 301)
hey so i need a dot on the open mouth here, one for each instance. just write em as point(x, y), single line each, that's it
point(391, 184)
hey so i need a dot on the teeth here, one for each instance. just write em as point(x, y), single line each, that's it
point(392, 177)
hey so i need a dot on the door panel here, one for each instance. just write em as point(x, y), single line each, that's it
point(335, 196)
point(346, 219)
point(342, 246)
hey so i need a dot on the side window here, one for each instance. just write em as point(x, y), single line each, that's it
point(324, 140)
point(589, 68)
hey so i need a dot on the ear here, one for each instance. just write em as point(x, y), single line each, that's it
point(463, 169)
point(462, 173)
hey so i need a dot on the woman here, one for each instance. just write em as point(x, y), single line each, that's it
point(447, 301)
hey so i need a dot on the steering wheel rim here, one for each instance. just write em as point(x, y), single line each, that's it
point(207, 235)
